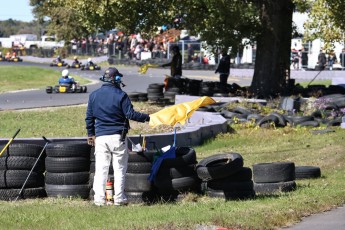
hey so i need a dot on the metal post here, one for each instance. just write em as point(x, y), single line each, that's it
point(182, 51)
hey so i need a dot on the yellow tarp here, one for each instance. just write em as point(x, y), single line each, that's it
point(143, 69)
point(178, 113)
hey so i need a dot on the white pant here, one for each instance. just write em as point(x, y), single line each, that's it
point(107, 147)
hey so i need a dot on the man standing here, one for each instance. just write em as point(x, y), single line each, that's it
point(342, 58)
point(190, 53)
point(176, 63)
point(321, 60)
point(107, 122)
point(224, 70)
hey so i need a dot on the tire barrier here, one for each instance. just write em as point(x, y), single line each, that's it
point(15, 166)
point(307, 172)
point(68, 169)
point(224, 176)
point(270, 178)
point(177, 176)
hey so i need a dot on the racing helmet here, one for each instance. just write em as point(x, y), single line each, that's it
point(75, 57)
point(112, 75)
point(65, 73)
point(58, 56)
point(89, 59)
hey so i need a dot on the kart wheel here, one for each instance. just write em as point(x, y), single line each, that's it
point(49, 89)
point(84, 89)
point(79, 89)
point(56, 89)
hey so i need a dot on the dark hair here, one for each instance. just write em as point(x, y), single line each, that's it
point(176, 49)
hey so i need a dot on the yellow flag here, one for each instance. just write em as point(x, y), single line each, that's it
point(178, 113)
point(143, 69)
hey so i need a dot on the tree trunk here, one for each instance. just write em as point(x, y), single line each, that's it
point(272, 64)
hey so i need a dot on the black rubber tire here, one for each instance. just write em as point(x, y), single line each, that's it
point(178, 184)
point(273, 172)
point(67, 164)
point(146, 156)
point(242, 110)
point(230, 186)
point(154, 91)
point(177, 172)
point(16, 179)
point(148, 197)
point(309, 124)
point(267, 120)
point(79, 190)
point(20, 149)
point(243, 175)
point(254, 116)
point(21, 163)
point(139, 167)
point(299, 119)
point(27, 193)
point(184, 156)
point(67, 178)
point(219, 166)
point(156, 86)
point(137, 182)
point(69, 149)
point(49, 89)
point(281, 119)
point(230, 195)
point(334, 122)
point(271, 188)
point(306, 172)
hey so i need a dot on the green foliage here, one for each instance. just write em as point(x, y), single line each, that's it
point(25, 77)
point(12, 27)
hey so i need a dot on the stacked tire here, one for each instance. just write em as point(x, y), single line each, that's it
point(138, 96)
point(155, 92)
point(307, 172)
point(68, 169)
point(225, 177)
point(177, 176)
point(15, 166)
point(275, 177)
point(138, 188)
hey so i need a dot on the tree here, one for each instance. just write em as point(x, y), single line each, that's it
point(221, 23)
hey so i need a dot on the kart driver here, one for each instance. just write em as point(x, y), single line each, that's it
point(75, 61)
point(65, 79)
point(58, 59)
point(8, 56)
point(14, 55)
point(90, 62)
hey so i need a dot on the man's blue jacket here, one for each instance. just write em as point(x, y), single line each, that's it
point(109, 111)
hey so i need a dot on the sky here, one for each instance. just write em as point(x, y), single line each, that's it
point(16, 9)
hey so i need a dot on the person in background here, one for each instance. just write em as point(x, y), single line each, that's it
point(321, 60)
point(175, 64)
point(107, 123)
point(342, 58)
point(224, 70)
point(331, 59)
point(304, 59)
point(190, 53)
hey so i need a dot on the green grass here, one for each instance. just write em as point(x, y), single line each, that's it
point(318, 82)
point(25, 77)
point(264, 212)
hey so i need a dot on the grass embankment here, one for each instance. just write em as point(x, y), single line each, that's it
point(264, 212)
point(29, 77)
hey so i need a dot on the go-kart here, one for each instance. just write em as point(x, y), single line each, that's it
point(90, 67)
point(66, 88)
point(75, 65)
point(15, 59)
point(58, 64)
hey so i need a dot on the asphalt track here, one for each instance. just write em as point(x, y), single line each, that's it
point(135, 82)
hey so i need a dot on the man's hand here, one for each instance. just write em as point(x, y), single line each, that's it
point(91, 140)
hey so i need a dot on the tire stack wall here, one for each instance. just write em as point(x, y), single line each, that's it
point(274, 177)
point(68, 169)
point(176, 176)
point(225, 177)
point(15, 166)
point(138, 188)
